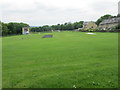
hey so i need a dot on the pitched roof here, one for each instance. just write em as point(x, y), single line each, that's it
point(85, 23)
point(110, 21)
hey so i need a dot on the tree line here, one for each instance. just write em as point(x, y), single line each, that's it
point(14, 28)
point(66, 26)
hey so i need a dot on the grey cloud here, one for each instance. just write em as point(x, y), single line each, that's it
point(43, 7)
point(42, 14)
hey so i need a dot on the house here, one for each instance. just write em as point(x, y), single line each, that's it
point(110, 23)
point(25, 30)
point(89, 25)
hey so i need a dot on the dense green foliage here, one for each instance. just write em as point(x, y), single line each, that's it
point(12, 28)
point(67, 26)
point(118, 15)
point(5, 29)
point(68, 60)
point(118, 26)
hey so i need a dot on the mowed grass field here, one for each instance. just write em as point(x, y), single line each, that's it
point(68, 60)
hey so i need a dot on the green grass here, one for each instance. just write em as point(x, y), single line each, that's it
point(0, 63)
point(68, 60)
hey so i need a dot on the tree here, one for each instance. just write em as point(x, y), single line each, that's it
point(5, 29)
point(70, 26)
point(118, 15)
point(16, 28)
point(78, 25)
point(65, 26)
point(118, 27)
point(103, 18)
point(12, 28)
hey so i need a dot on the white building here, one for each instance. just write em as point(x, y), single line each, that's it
point(25, 30)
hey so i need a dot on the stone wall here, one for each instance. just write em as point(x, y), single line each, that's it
point(107, 26)
point(90, 25)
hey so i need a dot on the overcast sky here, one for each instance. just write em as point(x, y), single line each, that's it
point(49, 12)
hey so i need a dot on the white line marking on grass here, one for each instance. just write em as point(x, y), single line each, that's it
point(91, 33)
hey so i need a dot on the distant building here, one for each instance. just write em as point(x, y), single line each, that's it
point(55, 30)
point(25, 30)
point(76, 30)
point(89, 25)
point(108, 24)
